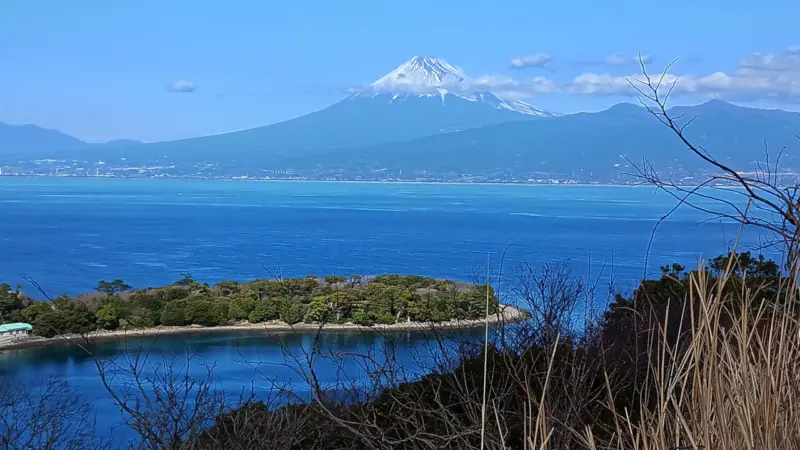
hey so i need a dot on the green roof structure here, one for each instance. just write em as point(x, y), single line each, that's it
point(12, 327)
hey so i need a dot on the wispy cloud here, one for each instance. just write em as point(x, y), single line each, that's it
point(717, 84)
point(619, 59)
point(757, 76)
point(537, 60)
point(771, 62)
point(498, 84)
point(182, 86)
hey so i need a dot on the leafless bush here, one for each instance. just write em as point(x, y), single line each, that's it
point(553, 295)
point(161, 400)
point(391, 404)
point(46, 416)
point(762, 200)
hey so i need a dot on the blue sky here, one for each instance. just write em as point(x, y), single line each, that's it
point(155, 70)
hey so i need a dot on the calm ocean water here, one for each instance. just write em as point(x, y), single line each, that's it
point(69, 233)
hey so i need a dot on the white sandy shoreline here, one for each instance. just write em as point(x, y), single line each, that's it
point(508, 314)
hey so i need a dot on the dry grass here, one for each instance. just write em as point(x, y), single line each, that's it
point(721, 374)
point(720, 371)
point(732, 381)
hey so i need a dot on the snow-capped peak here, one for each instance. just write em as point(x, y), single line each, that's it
point(422, 72)
point(435, 77)
point(508, 104)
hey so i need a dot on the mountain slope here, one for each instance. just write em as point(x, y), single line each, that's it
point(121, 143)
point(31, 138)
point(417, 99)
point(434, 77)
point(589, 144)
point(32, 141)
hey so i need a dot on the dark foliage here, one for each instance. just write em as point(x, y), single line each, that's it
point(546, 362)
point(384, 300)
point(572, 375)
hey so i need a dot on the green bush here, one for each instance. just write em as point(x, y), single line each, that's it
point(292, 313)
point(112, 311)
point(227, 288)
point(363, 319)
point(264, 311)
point(240, 307)
point(219, 310)
point(199, 312)
point(318, 309)
point(174, 314)
point(385, 319)
point(146, 309)
point(186, 302)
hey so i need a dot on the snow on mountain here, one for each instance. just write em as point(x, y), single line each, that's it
point(435, 77)
point(511, 105)
point(422, 97)
point(423, 75)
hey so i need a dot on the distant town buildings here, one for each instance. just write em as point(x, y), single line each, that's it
point(614, 175)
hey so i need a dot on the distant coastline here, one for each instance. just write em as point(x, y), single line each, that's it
point(419, 182)
point(506, 314)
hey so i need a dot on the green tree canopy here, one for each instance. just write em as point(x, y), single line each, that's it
point(113, 287)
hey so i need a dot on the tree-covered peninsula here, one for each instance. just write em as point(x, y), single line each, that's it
point(385, 299)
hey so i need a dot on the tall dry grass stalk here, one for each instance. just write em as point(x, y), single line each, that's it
point(732, 381)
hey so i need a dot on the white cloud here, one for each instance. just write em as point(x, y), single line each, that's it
point(717, 84)
point(537, 60)
point(182, 86)
point(757, 76)
point(720, 82)
point(511, 88)
point(770, 62)
point(598, 83)
point(499, 84)
point(618, 59)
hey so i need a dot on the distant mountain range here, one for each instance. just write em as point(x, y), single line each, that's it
point(21, 141)
point(422, 118)
point(24, 139)
point(414, 100)
point(592, 145)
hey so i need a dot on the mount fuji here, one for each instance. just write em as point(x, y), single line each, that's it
point(435, 78)
point(422, 97)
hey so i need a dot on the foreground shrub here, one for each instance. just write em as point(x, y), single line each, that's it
point(706, 359)
point(711, 374)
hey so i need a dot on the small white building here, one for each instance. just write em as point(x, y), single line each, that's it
point(16, 330)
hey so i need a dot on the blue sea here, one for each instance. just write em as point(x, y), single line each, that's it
point(68, 233)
